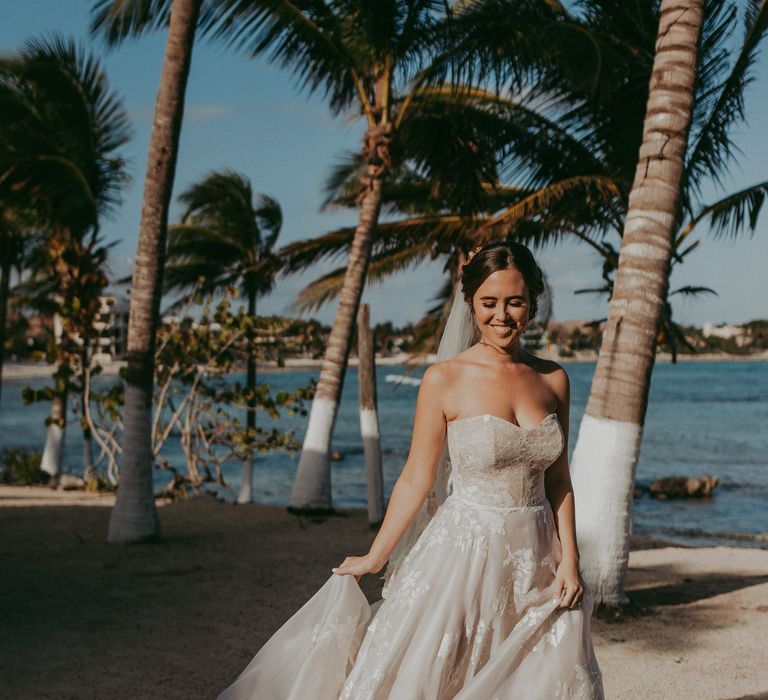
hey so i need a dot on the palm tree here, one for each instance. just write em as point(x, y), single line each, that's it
point(134, 517)
point(610, 434)
point(225, 241)
point(595, 131)
point(365, 56)
point(62, 132)
point(571, 152)
point(11, 256)
point(66, 276)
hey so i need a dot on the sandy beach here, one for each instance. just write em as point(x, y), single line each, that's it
point(180, 618)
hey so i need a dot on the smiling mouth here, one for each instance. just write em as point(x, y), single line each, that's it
point(501, 330)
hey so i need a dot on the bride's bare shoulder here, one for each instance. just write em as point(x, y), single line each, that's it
point(444, 373)
point(453, 366)
point(553, 374)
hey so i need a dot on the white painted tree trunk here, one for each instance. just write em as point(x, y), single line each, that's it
point(369, 417)
point(134, 517)
point(369, 429)
point(608, 445)
point(312, 485)
point(245, 494)
point(53, 452)
point(603, 476)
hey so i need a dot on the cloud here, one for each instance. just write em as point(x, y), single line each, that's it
point(192, 113)
point(207, 113)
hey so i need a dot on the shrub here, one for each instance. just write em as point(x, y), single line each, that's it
point(19, 465)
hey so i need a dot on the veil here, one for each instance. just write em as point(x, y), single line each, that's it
point(460, 333)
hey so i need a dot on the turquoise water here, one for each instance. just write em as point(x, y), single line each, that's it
point(703, 418)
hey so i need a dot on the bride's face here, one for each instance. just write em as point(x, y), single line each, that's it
point(501, 305)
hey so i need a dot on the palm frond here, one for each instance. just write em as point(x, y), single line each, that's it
point(329, 286)
point(444, 233)
point(60, 132)
point(711, 147)
point(115, 20)
point(504, 43)
point(590, 188)
point(692, 291)
point(226, 237)
point(732, 214)
point(304, 36)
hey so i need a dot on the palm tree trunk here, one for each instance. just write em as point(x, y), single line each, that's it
point(5, 282)
point(89, 471)
point(134, 517)
point(608, 446)
point(369, 416)
point(245, 494)
point(312, 485)
point(53, 452)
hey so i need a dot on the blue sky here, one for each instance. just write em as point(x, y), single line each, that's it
point(249, 116)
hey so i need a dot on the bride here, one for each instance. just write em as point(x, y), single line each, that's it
point(482, 597)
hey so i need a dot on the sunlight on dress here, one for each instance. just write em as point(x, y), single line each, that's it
point(470, 614)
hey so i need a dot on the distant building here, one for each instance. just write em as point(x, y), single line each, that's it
point(535, 337)
point(727, 331)
point(721, 330)
point(111, 326)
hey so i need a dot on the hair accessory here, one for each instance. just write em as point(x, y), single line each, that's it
point(472, 254)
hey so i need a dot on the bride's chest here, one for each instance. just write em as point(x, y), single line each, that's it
point(486, 443)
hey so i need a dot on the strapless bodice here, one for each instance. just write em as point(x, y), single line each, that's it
point(498, 464)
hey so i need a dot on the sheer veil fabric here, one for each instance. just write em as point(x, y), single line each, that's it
point(459, 334)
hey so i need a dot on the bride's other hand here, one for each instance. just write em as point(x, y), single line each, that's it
point(568, 585)
point(357, 566)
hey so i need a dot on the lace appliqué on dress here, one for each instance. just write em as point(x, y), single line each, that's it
point(588, 684)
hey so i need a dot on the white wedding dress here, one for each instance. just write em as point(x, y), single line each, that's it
point(470, 614)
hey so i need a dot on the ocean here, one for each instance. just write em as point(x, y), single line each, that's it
point(703, 418)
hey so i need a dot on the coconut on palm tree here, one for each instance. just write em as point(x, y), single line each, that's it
point(225, 241)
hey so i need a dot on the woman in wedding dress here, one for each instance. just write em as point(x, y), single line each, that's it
point(483, 599)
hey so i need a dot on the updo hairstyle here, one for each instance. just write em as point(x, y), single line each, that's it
point(502, 255)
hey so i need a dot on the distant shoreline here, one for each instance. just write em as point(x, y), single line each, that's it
point(292, 363)
point(31, 370)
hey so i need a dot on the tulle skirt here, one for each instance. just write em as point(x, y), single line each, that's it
point(471, 614)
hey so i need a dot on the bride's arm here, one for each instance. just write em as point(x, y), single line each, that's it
point(559, 490)
point(415, 480)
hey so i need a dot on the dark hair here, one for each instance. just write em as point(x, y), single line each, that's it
point(502, 255)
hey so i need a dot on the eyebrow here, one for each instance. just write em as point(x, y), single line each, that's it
point(516, 296)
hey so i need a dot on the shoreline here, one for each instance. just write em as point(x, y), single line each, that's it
point(33, 370)
point(224, 577)
point(415, 360)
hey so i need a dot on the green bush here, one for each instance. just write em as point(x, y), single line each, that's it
point(21, 466)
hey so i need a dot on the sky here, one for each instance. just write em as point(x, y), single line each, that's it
point(249, 116)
